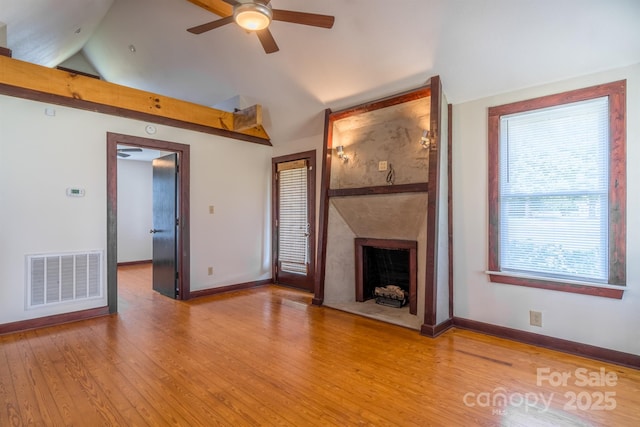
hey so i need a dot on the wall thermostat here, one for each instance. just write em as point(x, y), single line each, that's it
point(75, 192)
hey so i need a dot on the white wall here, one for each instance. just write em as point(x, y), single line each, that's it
point(40, 156)
point(442, 243)
point(78, 62)
point(602, 322)
point(135, 210)
point(235, 178)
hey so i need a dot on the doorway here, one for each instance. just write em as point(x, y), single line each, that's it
point(293, 222)
point(182, 257)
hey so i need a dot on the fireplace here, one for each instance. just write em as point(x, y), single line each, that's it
point(382, 262)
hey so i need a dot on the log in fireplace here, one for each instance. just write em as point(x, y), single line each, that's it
point(383, 262)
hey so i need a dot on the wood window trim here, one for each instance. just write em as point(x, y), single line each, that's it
point(616, 91)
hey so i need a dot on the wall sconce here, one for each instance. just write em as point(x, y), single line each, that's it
point(340, 153)
point(425, 139)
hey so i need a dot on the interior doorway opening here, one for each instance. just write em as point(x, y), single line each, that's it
point(182, 255)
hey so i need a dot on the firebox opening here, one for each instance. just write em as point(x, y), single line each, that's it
point(387, 263)
point(386, 268)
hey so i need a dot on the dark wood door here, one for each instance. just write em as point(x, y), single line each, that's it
point(295, 220)
point(165, 228)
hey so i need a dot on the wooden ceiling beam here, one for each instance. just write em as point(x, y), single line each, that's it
point(69, 88)
point(218, 7)
point(247, 118)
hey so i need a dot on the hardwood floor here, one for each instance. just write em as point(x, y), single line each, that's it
point(265, 356)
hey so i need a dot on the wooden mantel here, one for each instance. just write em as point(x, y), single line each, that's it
point(26, 80)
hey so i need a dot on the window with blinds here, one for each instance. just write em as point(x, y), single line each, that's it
point(554, 191)
point(557, 191)
point(293, 226)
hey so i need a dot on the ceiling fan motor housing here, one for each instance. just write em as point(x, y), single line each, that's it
point(252, 16)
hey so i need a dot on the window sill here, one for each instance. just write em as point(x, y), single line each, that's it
point(605, 291)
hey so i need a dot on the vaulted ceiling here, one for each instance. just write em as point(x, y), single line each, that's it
point(376, 48)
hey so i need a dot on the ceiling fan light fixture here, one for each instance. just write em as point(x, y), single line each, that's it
point(252, 16)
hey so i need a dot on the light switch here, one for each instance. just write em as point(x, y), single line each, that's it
point(382, 165)
point(211, 210)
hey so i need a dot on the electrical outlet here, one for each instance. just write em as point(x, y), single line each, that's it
point(535, 318)
point(210, 271)
point(382, 165)
point(211, 210)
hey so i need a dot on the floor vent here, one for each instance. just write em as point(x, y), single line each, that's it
point(56, 278)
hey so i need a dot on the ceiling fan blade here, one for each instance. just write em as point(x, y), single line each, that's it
point(210, 25)
point(129, 150)
point(313, 19)
point(124, 155)
point(231, 2)
point(268, 42)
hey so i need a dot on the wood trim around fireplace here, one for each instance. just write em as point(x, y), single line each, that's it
point(323, 223)
point(431, 278)
point(420, 187)
point(433, 90)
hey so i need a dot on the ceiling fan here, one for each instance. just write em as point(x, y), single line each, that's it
point(122, 152)
point(256, 15)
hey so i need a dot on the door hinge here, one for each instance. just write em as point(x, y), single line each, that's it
point(177, 222)
point(276, 268)
point(177, 275)
point(177, 168)
point(276, 222)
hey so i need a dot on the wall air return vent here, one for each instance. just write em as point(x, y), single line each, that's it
point(58, 278)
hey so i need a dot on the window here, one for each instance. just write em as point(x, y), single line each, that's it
point(557, 217)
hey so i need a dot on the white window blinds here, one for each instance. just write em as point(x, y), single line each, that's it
point(554, 191)
point(293, 222)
